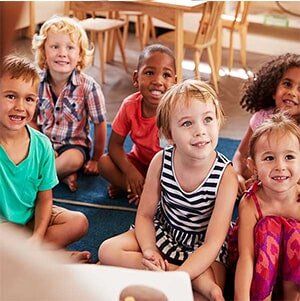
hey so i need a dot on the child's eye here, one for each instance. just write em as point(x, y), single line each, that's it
point(54, 47)
point(30, 99)
point(149, 72)
point(269, 158)
point(208, 119)
point(289, 157)
point(167, 74)
point(187, 123)
point(10, 96)
point(71, 47)
point(287, 83)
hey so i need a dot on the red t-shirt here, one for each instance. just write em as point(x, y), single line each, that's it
point(143, 131)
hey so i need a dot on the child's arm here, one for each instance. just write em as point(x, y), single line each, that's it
point(244, 269)
point(217, 228)
point(134, 180)
point(42, 214)
point(145, 231)
point(240, 160)
point(91, 167)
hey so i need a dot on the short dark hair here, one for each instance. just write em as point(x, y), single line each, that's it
point(155, 48)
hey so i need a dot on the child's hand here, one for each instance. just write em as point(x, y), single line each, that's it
point(153, 260)
point(133, 198)
point(134, 182)
point(91, 168)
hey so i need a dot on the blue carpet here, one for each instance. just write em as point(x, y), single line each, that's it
point(116, 215)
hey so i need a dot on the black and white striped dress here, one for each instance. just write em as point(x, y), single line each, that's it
point(182, 217)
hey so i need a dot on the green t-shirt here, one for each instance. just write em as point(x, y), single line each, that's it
point(19, 184)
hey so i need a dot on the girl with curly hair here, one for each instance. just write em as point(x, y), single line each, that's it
point(275, 87)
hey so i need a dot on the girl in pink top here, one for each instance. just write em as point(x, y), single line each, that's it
point(137, 117)
point(269, 215)
point(276, 86)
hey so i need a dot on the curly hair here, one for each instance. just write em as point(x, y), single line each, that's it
point(64, 25)
point(258, 91)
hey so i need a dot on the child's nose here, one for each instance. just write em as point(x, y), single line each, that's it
point(199, 130)
point(280, 165)
point(19, 105)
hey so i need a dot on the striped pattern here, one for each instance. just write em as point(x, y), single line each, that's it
point(182, 217)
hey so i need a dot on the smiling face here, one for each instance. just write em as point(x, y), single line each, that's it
point(194, 129)
point(277, 161)
point(17, 102)
point(155, 76)
point(62, 54)
point(287, 95)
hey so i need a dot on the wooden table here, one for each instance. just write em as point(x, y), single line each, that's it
point(169, 11)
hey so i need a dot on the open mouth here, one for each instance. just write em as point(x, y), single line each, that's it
point(156, 93)
point(280, 178)
point(62, 63)
point(16, 118)
point(290, 102)
point(200, 144)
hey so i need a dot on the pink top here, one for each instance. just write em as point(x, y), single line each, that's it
point(259, 117)
point(143, 131)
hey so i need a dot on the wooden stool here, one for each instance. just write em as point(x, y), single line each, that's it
point(104, 26)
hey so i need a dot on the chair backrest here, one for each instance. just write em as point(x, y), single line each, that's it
point(212, 11)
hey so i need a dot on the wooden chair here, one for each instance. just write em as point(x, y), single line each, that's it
point(239, 23)
point(139, 22)
point(204, 38)
point(102, 27)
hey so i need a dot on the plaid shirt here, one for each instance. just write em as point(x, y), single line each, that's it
point(66, 122)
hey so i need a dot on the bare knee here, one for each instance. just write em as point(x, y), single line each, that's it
point(105, 164)
point(107, 252)
point(79, 224)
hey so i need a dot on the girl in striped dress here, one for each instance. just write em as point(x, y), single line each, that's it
point(188, 197)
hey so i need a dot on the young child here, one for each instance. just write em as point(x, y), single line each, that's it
point(27, 170)
point(68, 98)
point(188, 197)
point(274, 87)
point(137, 117)
point(269, 214)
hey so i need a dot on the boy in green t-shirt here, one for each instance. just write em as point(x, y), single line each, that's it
point(27, 164)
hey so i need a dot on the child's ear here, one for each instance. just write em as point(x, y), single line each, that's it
point(135, 79)
point(251, 165)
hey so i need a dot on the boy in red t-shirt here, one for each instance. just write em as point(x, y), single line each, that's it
point(137, 117)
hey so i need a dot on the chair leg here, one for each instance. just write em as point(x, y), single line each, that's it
point(101, 57)
point(125, 30)
point(121, 46)
point(152, 28)
point(213, 69)
point(230, 58)
point(197, 55)
point(243, 38)
point(139, 30)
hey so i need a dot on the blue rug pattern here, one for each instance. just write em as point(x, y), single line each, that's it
point(108, 217)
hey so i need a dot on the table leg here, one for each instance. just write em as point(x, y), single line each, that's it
point(179, 43)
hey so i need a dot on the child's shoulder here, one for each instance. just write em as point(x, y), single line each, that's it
point(133, 99)
point(39, 138)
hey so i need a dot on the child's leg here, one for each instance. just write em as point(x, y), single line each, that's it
point(291, 291)
point(112, 174)
point(122, 250)
point(211, 283)
point(65, 227)
point(67, 164)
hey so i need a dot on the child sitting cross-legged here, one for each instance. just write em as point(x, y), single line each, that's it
point(188, 198)
point(27, 166)
point(68, 98)
point(126, 172)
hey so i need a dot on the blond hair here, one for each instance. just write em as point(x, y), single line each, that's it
point(182, 94)
point(64, 25)
point(279, 123)
point(20, 67)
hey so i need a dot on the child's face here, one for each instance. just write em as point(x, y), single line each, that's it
point(17, 102)
point(155, 77)
point(287, 95)
point(277, 161)
point(62, 54)
point(194, 129)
